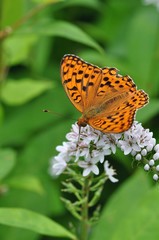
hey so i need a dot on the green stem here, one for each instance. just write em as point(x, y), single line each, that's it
point(1, 50)
point(84, 214)
point(10, 29)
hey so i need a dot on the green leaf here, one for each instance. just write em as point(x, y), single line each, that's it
point(142, 45)
point(65, 30)
point(18, 48)
point(20, 92)
point(95, 4)
point(11, 11)
point(149, 111)
point(34, 160)
point(130, 208)
point(7, 161)
point(33, 221)
point(26, 182)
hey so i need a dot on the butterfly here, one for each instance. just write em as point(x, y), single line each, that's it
point(107, 100)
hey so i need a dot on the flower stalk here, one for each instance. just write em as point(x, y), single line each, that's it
point(84, 210)
point(86, 192)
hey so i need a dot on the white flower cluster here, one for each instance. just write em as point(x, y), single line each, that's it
point(137, 141)
point(89, 148)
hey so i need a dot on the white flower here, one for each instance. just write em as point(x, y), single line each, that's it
point(157, 168)
point(149, 147)
point(111, 141)
point(125, 147)
point(156, 156)
point(144, 152)
point(146, 167)
point(130, 139)
point(73, 136)
point(58, 165)
point(101, 153)
point(156, 148)
point(89, 134)
point(133, 153)
point(89, 166)
point(151, 162)
point(138, 157)
point(155, 177)
point(110, 172)
point(63, 149)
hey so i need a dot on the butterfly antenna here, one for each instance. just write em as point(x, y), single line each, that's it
point(55, 113)
point(52, 112)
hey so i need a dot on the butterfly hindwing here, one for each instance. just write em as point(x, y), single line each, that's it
point(114, 123)
point(119, 117)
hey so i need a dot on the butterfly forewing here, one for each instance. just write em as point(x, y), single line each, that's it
point(81, 81)
point(69, 81)
point(113, 85)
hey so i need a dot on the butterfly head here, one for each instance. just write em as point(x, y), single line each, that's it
point(82, 122)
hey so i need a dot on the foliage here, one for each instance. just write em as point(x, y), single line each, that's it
point(34, 36)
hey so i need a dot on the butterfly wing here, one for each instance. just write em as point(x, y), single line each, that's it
point(120, 117)
point(114, 123)
point(107, 99)
point(112, 85)
point(80, 80)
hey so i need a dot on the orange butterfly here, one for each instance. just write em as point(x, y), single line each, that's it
point(107, 100)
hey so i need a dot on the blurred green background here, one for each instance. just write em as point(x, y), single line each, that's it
point(35, 34)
